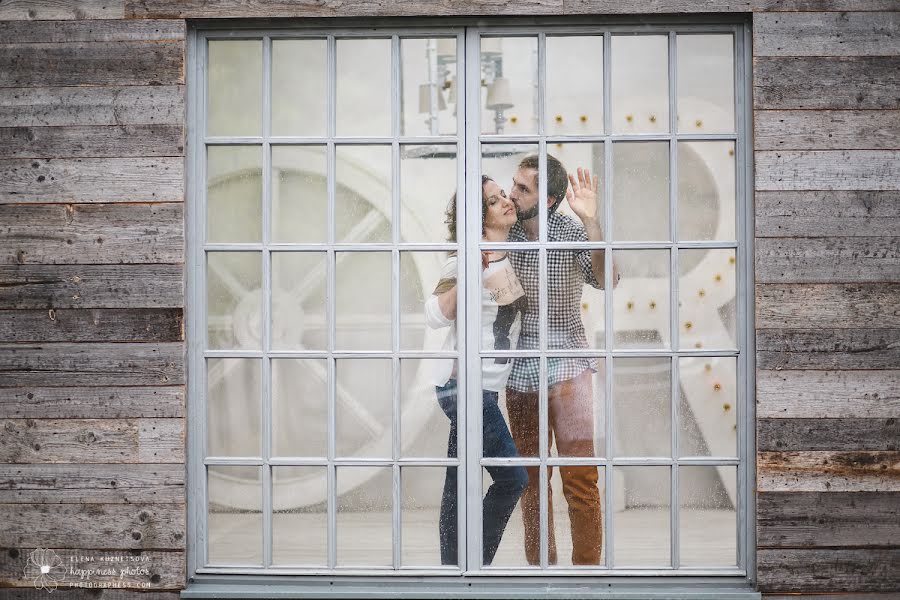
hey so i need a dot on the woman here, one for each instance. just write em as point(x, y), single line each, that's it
point(502, 306)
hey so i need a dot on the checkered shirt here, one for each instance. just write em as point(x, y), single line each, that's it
point(567, 273)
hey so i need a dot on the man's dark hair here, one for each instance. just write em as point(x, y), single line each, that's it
point(557, 178)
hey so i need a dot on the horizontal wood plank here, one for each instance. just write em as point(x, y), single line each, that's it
point(116, 233)
point(91, 141)
point(822, 5)
point(839, 435)
point(827, 349)
point(92, 325)
point(821, 394)
point(101, 526)
point(827, 471)
point(110, 30)
point(92, 441)
point(837, 213)
point(826, 129)
point(92, 484)
point(34, 402)
point(99, 364)
point(834, 519)
point(145, 179)
point(77, 106)
point(828, 260)
point(32, 10)
point(837, 83)
point(92, 63)
point(830, 306)
point(827, 34)
point(828, 570)
point(109, 593)
point(828, 169)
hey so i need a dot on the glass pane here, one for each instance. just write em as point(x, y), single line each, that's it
point(708, 518)
point(428, 419)
point(706, 191)
point(640, 83)
point(299, 89)
point(642, 417)
point(362, 210)
point(427, 292)
point(575, 313)
point(509, 419)
point(234, 520)
point(506, 522)
point(707, 421)
point(298, 301)
point(363, 300)
point(707, 304)
point(640, 191)
point(299, 518)
point(234, 194)
point(429, 517)
point(575, 525)
point(428, 177)
point(363, 407)
point(574, 104)
point(641, 533)
point(641, 299)
point(233, 407)
point(577, 407)
point(299, 194)
point(234, 87)
point(705, 83)
point(363, 87)
point(509, 174)
point(509, 89)
point(429, 86)
point(299, 406)
point(364, 516)
point(591, 158)
point(234, 300)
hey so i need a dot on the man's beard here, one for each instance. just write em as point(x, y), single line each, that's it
point(529, 214)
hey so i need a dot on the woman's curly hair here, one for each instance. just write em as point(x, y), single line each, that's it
point(450, 214)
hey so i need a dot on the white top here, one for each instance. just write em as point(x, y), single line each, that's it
point(502, 305)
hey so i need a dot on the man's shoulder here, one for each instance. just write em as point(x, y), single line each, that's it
point(564, 228)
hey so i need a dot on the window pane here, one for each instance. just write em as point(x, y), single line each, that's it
point(706, 191)
point(299, 301)
point(575, 313)
point(708, 518)
point(591, 158)
point(363, 325)
point(299, 519)
point(234, 520)
point(363, 194)
point(576, 530)
point(428, 419)
point(364, 516)
point(510, 193)
point(640, 191)
point(642, 530)
point(706, 309)
point(423, 324)
point(641, 299)
point(429, 502)
point(234, 87)
point(363, 87)
point(509, 92)
point(705, 83)
point(233, 407)
point(642, 413)
point(299, 89)
point(234, 194)
point(510, 527)
point(429, 86)
point(363, 407)
point(574, 104)
point(577, 409)
point(640, 84)
point(428, 178)
point(234, 300)
point(299, 194)
point(299, 406)
point(708, 412)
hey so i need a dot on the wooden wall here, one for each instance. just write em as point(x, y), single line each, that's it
point(92, 369)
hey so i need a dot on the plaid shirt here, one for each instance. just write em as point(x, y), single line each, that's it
point(567, 273)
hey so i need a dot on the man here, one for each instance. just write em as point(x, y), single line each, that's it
point(570, 394)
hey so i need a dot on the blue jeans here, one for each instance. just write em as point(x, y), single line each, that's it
point(508, 482)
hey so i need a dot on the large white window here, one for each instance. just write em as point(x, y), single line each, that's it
point(341, 426)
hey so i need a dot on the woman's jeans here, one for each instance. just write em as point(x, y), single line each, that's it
point(508, 482)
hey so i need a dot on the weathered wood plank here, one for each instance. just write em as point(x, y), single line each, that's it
point(92, 441)
point(826, 129)
point(826, 82)
point(106, 526)
point(823, 5)
point(826, 471)
point(147, 570)
point(91, 286)
point(803, 519)
point(92, 484)
point(92, 325)
point(91, 364)
point(827, 349)
point(827, 34)
point(92, 63)
point(839, 213)
point(837, 306)
point(780, 435)
point(92, 233)
point(32, 10)
point(831, 570)
point(150, 179)
point(112, 30)
point(828, 260)
point(91, 402)
point(847, 596)
point(835, 394)
point(77, 106)
point(828, 169)
point(91, 141)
